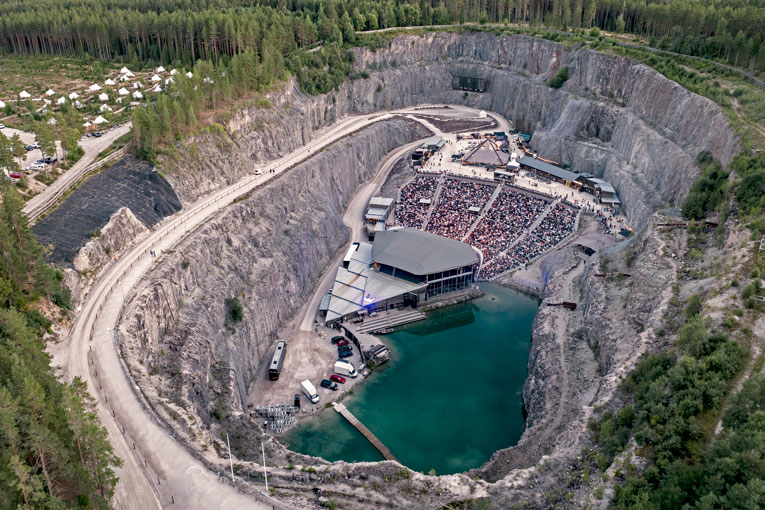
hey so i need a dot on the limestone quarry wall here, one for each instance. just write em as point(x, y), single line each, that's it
point(267, 251)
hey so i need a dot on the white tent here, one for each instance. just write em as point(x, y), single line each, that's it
point(103, 96)
point(77, 104)
point(100, 120)
point(482, 115)
point(208, 80)
point(61, 100)
point(123, 91)
point(50, 92)
point(137, 95)
point(124, 78)
point(189, 74)
point(126, 72)
point(87, 124)
point(110, 82)
point(155, 78)
point(74, 95)
point(158, 88)
point(2, 104)
point(24, 94)
point(138, 85)
point(173, 72)
point(160, 69)
point(52, 121)
point(105, 108)
point(169, 81)
point(95, 87)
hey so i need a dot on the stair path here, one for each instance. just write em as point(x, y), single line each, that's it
point(483, 212)
point(433, 202)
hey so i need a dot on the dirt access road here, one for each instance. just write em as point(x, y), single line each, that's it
point(158, 471)
point(92, 147)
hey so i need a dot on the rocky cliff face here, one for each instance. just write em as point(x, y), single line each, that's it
point(267, 251)
point(614, 118)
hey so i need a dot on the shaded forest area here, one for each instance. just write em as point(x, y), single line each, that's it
point(54, 453)
point(183, 31)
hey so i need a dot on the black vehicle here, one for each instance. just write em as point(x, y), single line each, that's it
point(50, 160)
point(345, 354)
point(326, 383)
point(337, 338)
point(97, 134)
point(275, 368)
point(296, 402)
point(344, 348)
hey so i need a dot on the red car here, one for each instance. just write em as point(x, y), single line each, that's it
point(342, 343)
point(337, 378)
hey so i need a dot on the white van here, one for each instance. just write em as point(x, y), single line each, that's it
point(259, 171)
point(310, 391)
point(343, 367)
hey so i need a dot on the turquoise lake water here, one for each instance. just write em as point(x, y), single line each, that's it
point(449, 397)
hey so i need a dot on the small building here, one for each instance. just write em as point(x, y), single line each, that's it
point(428, 147)
point(549, 171)
point(487, 153)
point(377, 354)
point(378, 210)
point(606, 193)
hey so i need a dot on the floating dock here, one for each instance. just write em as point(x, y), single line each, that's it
point(389, 320)
point(340, 408)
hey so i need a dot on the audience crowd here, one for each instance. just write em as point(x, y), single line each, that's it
point(510, 214)
point(451, 217)
point(509, 218)
point(409, 211)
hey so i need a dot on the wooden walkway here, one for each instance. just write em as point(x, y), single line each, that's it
point(340, 408)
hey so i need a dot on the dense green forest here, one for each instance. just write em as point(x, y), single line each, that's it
point(187, 30)
point(54, 452)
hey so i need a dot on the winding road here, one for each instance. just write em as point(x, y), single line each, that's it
point(158, 471)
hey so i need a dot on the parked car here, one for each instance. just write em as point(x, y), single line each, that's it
point(14, 175)
point(338, 338)
point(28, 148)
point(258, 171)
point(50, 160)
point(345, 348)
point(342, 342)
point(344, 354)
point(2, 126)
point(296, 402)
point(337, 378)
point(97, 134)
point(326, 383)
point(36, 165)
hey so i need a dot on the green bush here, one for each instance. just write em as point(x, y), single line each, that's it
point(560, 78)
point(234, 312)
point(709, 189)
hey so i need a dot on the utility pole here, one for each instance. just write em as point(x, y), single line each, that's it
point(263, 451)
point(230, 458)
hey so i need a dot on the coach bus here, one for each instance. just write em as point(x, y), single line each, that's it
point(275, 368)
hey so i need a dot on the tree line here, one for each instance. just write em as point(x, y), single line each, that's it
point(186, 30)
point(54, 453)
